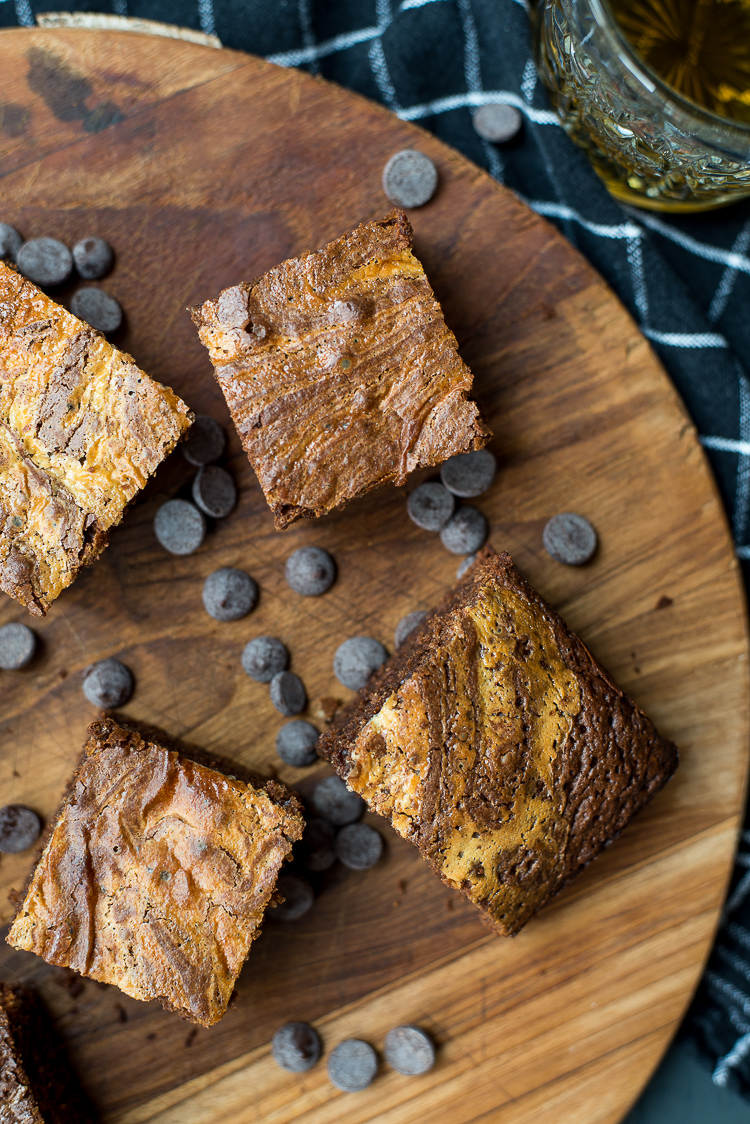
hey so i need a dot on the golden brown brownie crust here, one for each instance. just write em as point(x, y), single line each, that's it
point(498, 746)
point(156, 874)
point(81, 430)
point(340, 371)
point(18, 1104)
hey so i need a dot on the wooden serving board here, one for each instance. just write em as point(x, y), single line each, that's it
point(204, 167)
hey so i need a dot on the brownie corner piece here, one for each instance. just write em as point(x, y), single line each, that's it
point(496, 743)
point(157, 873)
point(340, 372)
point(81, 430)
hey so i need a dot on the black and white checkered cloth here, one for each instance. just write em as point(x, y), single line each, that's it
point(686, 280)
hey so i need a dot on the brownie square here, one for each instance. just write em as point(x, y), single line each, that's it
point(340, 372)
point(497, 744)
point(156, 873)
point(81, 430)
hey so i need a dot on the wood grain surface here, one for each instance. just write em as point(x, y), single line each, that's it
point(204, 167)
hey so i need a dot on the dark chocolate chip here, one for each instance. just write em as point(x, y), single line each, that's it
point(214, 491)
point(356, 659)
point(296, 1047)
point(407, 624)
point(93, 258)
point(296, 743)
point(465, 532)
point(179, 526)
point(298, 898)
point(497, 122)
point(99, 309)
point(45, 261)
point(409, 1050)
point(410, 178)
point(317, 844)
point(469, 474)
point(108, 683)
point(17, 646)
point(352, 1065)
point(229, 594)
point(20, 827)
point(310, 571)
point(569, 538)
point(205, 441)
point(359, 846)
point(10, 242)
point(465, 564)
point(288, 693)
point(334, 802)
point(264, 657)
point(430, 506)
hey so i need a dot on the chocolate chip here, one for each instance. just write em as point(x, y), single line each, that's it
point(298, 898)
point(296, 743)
point(409, 1050)
point(465, 532)
point(229, 594)
point(214, 491)
point(430, 506)
point(108, 683)
point(334, 802)
point(179, 526)
point(17, 646)
point(410, 178)
point(497, 122)
point(352, 1065)
point(93, 258)
point(465, 564)
point(288, 693)
point(10, 242)
point(45, 261)
point(317, 844)
point(264, 657)
point(469, 474)
point(310, 571)
point(356, 659)
point(359, 846)
point(407, 624)
point(99, 309)
point(569, 538)
point(296, 1047)
point(205, 441)
point(20, 827)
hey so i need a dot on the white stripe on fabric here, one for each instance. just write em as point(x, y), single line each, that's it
point(469, 101)
point(743, 553)
point(742, 889)
point(24, 14)
point(726, 445)
point(739, 1051)
point(736, 962)
point(640, 289)
point(382, 74)
point(742, 492)
point(329, 47)
point(729, 991)
point(562, 211)
point(528, 82)
point(305, 23)
point(739, 934)
point(686, 339)
point(709, 253)
point(206, 16)
point(728, 277)
point(407, 4)
point(473, 76)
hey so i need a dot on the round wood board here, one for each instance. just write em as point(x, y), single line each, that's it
point(204, 167)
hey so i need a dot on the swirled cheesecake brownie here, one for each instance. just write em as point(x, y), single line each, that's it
point(81, 430)
point(157, 873)
point(340, 372)
point(496, 744)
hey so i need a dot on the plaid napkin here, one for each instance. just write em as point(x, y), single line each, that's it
point(685, 280)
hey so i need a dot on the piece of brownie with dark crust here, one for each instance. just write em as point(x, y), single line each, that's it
point(497, 744)
point(156, 873)
point(340, 372)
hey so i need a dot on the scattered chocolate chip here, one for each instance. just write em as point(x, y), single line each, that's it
point(407, 624)
point(497, 122)
point(359, 846)
point(334, 802)
point(288, 693)
point(108, 683)
point(205, 441)
point(664, 602)
point(410, 178)
point(264, 657)
point(296, 743)
point(214, 491)
point(465, 564)
point(229, 594)
point(569, 538)
point(310, 571)
point(465, 532)
point(93, 258)
point(352, 1065)
point(10, 242)
point(99, 309)
point(469, 474)
point(179, 526)
point(356, 659)
point(318, 838)
point(20, 827)
point(430, 506)
point(17, 646)
point(45, 261)
point(409, 1050)
point(298, 897)
point(296, 1047)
